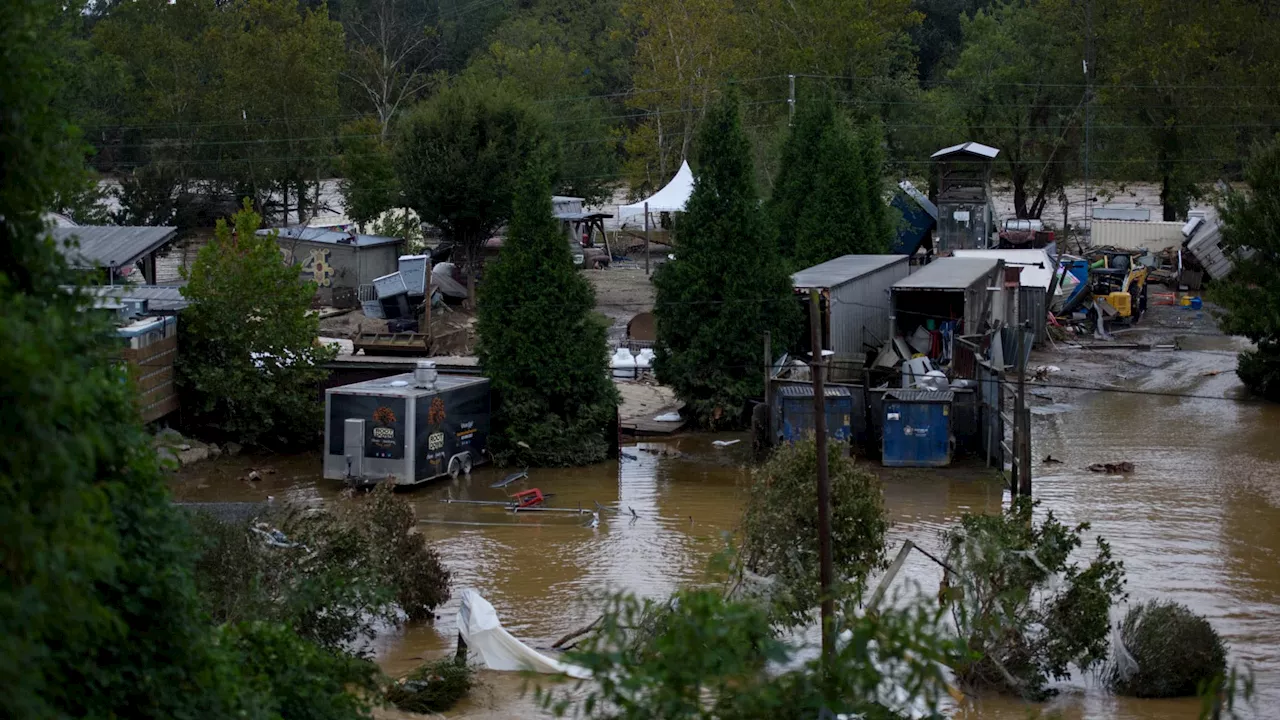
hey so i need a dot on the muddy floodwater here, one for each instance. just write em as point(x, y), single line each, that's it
point(1198, 521)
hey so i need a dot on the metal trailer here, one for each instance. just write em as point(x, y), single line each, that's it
point(407, 428)
point(855, 291)
point(917, 428)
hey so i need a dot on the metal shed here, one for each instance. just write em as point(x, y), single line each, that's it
point(1035, 277)
point(113, 246)
point(950, 288)
point(338, 262)
point(855, 296)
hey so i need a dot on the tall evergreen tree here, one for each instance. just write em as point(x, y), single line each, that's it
point(727, 285)
point(541, 345)
point(829, 197)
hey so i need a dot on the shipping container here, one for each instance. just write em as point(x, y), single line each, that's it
point(1131, 235)
point(406, 428)
point(917, 428)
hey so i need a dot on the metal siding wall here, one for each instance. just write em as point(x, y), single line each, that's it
point(377, 261)
point(1132, 235)
point(1031, 303)
point(863, 304)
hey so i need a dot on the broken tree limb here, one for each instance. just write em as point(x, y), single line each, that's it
point(577, 633)
point(889, 575)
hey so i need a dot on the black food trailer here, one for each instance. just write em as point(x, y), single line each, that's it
point(407, 428)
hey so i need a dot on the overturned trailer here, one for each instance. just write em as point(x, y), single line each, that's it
point(407, 428)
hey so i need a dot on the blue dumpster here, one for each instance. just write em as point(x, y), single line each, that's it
point(794, 413)
point(917, 428)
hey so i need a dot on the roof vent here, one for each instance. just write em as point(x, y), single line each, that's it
point(424, 375)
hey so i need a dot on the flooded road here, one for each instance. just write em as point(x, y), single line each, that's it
point(1198, 521)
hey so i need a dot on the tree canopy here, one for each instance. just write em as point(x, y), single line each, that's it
point(542, 346)
point(726, 286)
point(1250, 296)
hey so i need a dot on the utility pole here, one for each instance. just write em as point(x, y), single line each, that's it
point(768, 363)
point(1022, 448)
point(646, 237)
point(825, 572)
point(791, 99)
point(1088, 104)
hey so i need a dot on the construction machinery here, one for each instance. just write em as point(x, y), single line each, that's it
point(1118, 283)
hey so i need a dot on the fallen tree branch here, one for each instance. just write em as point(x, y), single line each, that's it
point(577, 633)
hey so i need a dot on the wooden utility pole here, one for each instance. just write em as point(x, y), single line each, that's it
point(825, 572)
point(646, 237)
point(768, 364)
point(1023, 447)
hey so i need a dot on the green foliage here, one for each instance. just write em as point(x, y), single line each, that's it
point(1013, 88)
point(780, 526)
point(459, 153)
point(702, 656)
point(1250, 296)
point(334, 578)
point(829, 196)
point(368, 185)
point(542, 347)
point(1168, 651)
point(249, 367)
point(290, 678)
point(727, 285)
point(1026, 611)
point(432, 688)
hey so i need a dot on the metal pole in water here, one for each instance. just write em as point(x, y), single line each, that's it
point(824, 482)
point(646, 237)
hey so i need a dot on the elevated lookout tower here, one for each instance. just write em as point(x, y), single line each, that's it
point(966, 217)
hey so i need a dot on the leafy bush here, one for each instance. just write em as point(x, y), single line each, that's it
point(780, 526)
point(333, 576)
point(1025, 611)
point(699, 655)
point(432, 688)
point(293, 678)
point(249, 366)
point(1168, 651)
point(541, 345)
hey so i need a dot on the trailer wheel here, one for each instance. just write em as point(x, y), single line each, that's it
point(455, 467)
point(466, 464)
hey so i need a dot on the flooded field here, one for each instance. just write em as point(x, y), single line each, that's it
point(1198, 521)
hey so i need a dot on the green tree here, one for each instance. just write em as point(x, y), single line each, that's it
point(1250, 295)
point(1166, 651)
point(369, 186)
point(700, 656)
point(779, 528)
point(727, 285)
point(1016, 86)
point(249, 366)
point(1026, 611)
point(393, 47)
point(828, 200)
point(541, 345)
point(457, 156)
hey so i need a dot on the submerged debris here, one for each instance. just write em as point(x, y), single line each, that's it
point(1165, 650)
point(1118, 468)
point(434, 687)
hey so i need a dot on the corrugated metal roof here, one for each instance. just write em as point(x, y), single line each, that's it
point(807, 391)
point(843, 269)
point(1154, 236)
point(968, 148)
point(920, 395)
point(1037, 268)
point(110, 245)
point(329, 237)
point(160, 298)
point(948, 273)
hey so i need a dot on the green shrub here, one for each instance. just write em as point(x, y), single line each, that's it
point(1168, 651)
point(780, 526)
point(434, 687)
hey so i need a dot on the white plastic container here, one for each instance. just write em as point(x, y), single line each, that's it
point(644, 360)
point(623, 364)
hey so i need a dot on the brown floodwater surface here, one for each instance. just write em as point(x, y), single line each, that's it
point(1198, 521)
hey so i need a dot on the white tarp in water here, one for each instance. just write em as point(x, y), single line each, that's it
point(671, 198)
point(498, 649)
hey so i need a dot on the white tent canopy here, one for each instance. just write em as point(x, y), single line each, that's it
point(671, 198)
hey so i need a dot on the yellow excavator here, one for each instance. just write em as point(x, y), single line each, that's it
point(1119, 283)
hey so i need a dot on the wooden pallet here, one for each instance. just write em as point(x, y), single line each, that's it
point(392, 343)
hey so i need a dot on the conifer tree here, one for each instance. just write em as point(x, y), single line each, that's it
point(829, 196)
point(727, 285)
point(541, 345)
